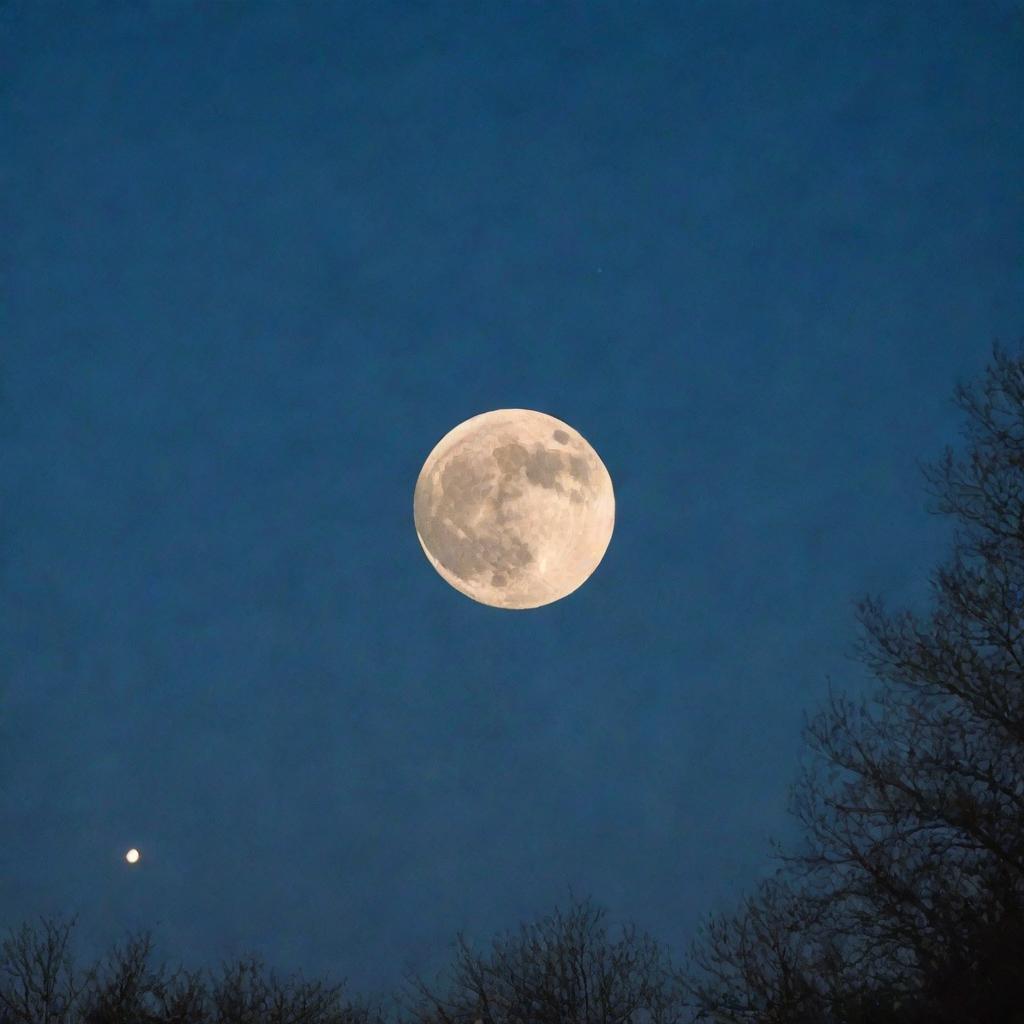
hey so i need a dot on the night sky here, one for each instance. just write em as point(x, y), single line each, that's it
point(256, 259)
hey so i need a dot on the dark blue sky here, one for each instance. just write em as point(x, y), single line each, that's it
point(258, 258)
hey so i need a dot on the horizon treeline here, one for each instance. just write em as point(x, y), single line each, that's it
point(902, 902)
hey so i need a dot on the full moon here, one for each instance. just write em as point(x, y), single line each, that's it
point(514, 508)
point(132, 856)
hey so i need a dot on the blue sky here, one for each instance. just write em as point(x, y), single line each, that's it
point(258, 258)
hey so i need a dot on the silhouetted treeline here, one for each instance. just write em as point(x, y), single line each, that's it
point(40, 984)
point(565, 967)
point(905, 901)
point(902, 904)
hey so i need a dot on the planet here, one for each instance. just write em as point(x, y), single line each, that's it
point(132, 856)
point(514, 508)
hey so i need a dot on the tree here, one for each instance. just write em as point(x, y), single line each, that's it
point(562, 969)
point(182, 999)
point(122, 988)
point(246, 993)
point(905, 900)
point(38, 983)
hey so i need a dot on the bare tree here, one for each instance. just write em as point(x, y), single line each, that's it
point(761, 964)
point(563, 969)
point(38, 984)
point(122, 988)
point(183, 998)
point(246, 993)
point(905, 900)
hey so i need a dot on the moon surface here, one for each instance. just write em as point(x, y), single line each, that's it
point(132, 856)
point(514, 508)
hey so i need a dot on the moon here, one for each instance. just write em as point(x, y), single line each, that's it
point(132, 856)
point(514, 508)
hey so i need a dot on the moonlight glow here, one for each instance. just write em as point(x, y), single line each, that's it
point(132, 856)
point(514, 508)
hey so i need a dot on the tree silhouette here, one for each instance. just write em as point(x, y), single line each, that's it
point(40, 985)
point(38, 982)
point(562, 969)
point(905, 900)
point(121, 990)
point(246, 993)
